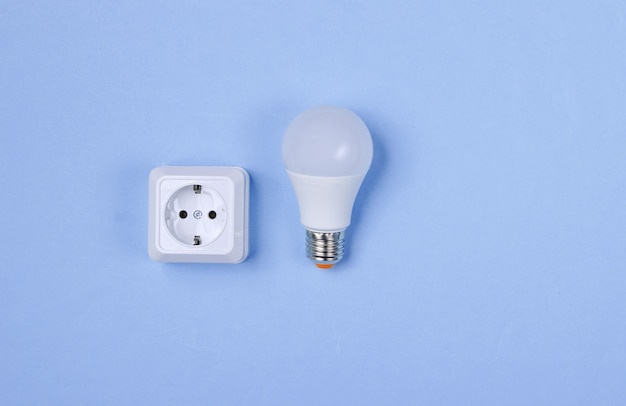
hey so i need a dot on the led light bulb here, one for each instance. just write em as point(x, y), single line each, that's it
point(327, 151)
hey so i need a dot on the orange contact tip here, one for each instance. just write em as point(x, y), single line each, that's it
point(324, 266)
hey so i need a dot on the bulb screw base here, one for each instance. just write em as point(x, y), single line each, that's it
point(324, 249)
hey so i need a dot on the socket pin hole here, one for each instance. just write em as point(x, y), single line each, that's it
point(182, 214)
point(212, 214)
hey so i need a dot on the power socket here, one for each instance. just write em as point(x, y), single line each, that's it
point(198, 214)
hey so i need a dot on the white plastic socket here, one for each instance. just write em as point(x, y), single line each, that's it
point(198, 214)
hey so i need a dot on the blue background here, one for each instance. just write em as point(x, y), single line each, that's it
point(486, 261)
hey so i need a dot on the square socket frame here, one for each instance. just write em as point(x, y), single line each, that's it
point(226, 188)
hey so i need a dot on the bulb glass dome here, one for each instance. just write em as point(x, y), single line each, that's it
point(327, 141)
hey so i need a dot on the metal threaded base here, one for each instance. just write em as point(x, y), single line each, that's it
point(325, 249)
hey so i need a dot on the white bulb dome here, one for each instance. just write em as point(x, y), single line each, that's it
point(327, 141)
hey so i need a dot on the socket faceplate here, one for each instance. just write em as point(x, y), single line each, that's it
point(198, 214)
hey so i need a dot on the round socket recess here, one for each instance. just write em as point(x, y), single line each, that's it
point(195, 215)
